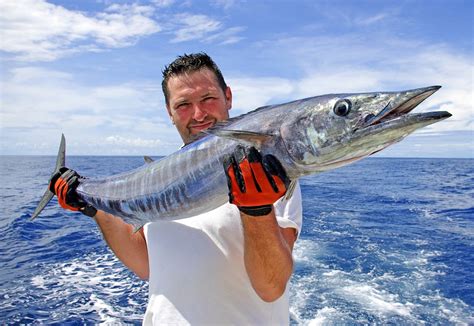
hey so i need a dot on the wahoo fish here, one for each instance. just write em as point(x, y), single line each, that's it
point(308, 136)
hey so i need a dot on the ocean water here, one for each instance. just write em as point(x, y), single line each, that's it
point(384, 241)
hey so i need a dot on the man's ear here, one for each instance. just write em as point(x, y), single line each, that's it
point(228, 97)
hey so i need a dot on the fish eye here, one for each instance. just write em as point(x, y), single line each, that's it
point(342, 107)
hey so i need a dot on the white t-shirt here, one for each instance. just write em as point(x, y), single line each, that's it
point(197, 272)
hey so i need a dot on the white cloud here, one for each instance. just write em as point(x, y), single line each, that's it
point(227, 36)
point(225, 4)
point(353, 17)
point(193, 27)
point(35, 30)
point(353, 80)
point(126, 118)
point(342, 64)
point(135, 142)
point(365, 21)
point(39, 104)
point(162, 3)
point(250, 93)
point(187, 27)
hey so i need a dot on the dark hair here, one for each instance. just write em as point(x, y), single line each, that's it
point(187, 63)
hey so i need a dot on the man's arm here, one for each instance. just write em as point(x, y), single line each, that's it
point(129, 246)
point(255, 184)
point(268, 254)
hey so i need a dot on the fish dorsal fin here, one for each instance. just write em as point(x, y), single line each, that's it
point(148, 159)
point(220, 129)
point(202, 134)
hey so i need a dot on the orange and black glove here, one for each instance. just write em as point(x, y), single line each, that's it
point(255, 182)
point(63, 184)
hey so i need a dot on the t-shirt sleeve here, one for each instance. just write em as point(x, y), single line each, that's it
point(289, 213)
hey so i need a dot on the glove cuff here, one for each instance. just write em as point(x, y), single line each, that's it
point(88, 210)
point(256, 210)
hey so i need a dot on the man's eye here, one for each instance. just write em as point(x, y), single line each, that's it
point(182, 106)
point(207, 99)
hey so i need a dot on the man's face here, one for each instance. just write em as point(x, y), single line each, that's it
point(196, 102)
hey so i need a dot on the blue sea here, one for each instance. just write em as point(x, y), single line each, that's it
point(384, 241)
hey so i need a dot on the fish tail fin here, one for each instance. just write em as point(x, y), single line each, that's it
point(48, 195)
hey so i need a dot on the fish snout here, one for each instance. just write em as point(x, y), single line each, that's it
point(399, 104)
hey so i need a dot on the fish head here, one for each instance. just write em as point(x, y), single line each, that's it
point(334, 130)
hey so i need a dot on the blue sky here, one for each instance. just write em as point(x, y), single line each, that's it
point(92, 69)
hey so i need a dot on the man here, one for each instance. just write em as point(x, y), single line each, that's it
point(230, 265)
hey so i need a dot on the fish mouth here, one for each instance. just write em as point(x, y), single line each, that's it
point(398, 107)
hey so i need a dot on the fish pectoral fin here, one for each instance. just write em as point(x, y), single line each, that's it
point(148, 159)
point(253, 137)
point(290, 190)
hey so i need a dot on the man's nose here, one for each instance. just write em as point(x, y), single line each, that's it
point(199, 113)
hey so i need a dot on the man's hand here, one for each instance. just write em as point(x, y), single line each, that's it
point(255, 182)
point(63, 184)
